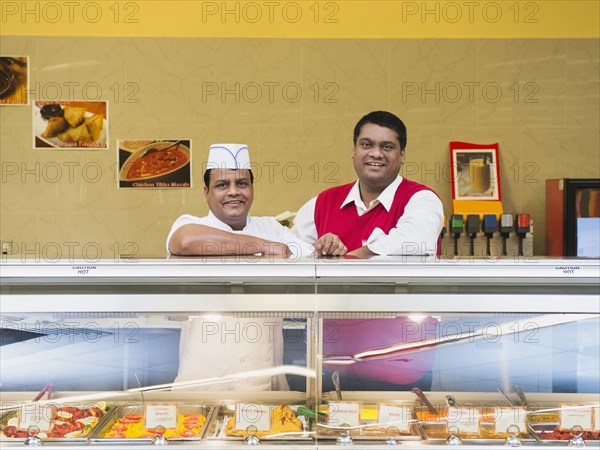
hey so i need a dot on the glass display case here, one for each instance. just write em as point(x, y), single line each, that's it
point(209, 353)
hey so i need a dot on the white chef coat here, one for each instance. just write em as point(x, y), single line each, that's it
point(263, 227)
point(216, 348)
point(416, 232)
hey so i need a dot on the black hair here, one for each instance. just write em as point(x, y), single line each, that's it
point(207, 178)
point(383, 119)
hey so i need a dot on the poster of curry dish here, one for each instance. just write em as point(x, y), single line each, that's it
point(71, 125)
point(14, 80)
point(154, 163)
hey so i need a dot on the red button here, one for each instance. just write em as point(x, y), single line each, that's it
point(523, 221)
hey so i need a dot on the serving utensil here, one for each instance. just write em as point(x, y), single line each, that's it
point(335, 377)
point(512, 405)
point(419, 393)
point(521, 395)
point(45, 390)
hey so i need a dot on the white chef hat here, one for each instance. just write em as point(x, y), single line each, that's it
point(228, 156)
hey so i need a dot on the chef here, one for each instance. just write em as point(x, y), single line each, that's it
point(229, 229)
point(222, 346)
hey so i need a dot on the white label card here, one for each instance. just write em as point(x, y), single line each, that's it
point(597, 418)
point(571, 415)
point(344, 413)
point(252, 415)
point(395, 416)
point(505, 417)
point(161, 415)
point(465, 419)
point(34, 414)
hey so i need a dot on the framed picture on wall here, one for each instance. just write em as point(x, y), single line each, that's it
point(70, 125)
point(14, 80)
point(475, 171)
point(155, 163)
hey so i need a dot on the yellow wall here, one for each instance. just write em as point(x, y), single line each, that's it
point(546, 119)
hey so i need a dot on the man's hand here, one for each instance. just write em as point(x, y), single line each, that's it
point(276, 249)
point(330, 245)
point(361, 252)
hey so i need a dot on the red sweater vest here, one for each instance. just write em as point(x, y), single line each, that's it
point(345, 222)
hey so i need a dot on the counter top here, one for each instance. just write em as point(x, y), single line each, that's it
point(221, 268)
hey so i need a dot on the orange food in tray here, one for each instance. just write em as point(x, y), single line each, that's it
point(427, 416)
point(132, 426)
point(283, 420)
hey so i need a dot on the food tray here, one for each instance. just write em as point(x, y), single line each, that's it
point(83, 437)
point(547, 433)
point(370, 430)
point(100, 434)
point(545, 422)
point(435, 431)
point(227, 412)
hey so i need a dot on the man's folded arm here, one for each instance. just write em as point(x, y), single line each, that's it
point(202, 240)
point(416, 232)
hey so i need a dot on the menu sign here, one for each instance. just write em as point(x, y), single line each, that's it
point(505, 417)
point(571, 415)
point(344, 413)
point(34, 414)
point(161, 415)
point(252, 415)
point(393, 415)
point(466, 420)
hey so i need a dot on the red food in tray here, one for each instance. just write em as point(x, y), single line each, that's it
point(66, 422)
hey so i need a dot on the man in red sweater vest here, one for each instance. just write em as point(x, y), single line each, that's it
point(380, 214)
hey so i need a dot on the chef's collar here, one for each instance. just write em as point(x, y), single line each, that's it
point(216, 223)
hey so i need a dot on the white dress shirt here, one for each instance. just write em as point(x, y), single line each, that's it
point(263, 227)
point(416, 232)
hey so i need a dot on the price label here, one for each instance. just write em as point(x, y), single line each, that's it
point(394, 415)
point(505, 417)
point(465, 419)
point(571, 415)
point(34, 414)
point(161, 415)
point(252, 415)
point(344, 413)
point(597, 418)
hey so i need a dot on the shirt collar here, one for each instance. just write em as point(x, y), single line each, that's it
point(222, 225)
point(386, 198)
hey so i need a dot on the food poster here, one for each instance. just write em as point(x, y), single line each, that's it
point(476, 176)
point(155, 163)
point(14, 80)
point(70, 125)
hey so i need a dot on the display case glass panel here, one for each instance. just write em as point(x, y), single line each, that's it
point(308, 353)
